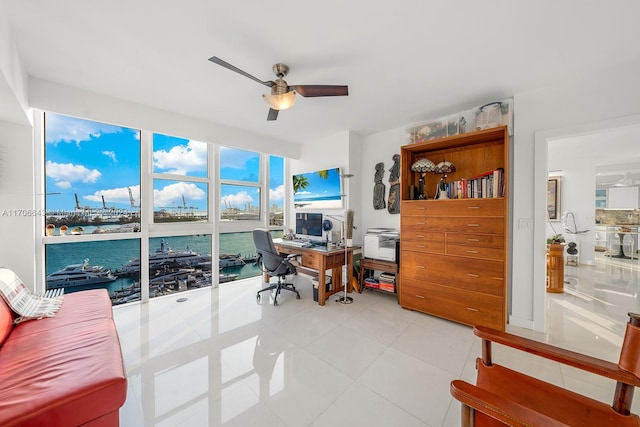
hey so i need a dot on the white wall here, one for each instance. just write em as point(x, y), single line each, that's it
point(377, 148)
point(577, 169)
point(343, 151)
point(18, 245)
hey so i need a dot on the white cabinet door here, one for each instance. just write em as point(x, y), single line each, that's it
point(622, 197)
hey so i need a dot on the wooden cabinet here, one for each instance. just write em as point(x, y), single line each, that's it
point(454, 252)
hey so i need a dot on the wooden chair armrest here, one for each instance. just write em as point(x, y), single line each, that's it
point(494, 406)
point(567, 357)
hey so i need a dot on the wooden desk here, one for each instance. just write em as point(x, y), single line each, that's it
point(319, 259)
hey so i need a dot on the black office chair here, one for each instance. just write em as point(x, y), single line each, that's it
point(273, 264)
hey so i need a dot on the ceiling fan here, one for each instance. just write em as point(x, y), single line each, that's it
point(626, 181)
point(282, 95)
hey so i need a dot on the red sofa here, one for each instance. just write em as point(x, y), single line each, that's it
point(65, 370)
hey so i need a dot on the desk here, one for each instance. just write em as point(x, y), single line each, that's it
point(320, 259)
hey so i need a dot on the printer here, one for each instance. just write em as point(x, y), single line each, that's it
point(382, 243)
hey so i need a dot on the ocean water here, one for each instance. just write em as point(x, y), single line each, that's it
point(114, 254)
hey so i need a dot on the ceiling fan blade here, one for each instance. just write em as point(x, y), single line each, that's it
point(225, 64)
point(273, 114)
point(321, 90)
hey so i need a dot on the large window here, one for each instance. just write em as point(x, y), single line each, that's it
point(276, 191)
point(103, 201)
point(240, 185)
point(180, 190)
point(92, 176)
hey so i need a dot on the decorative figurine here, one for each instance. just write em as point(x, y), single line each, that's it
point(393, 205)
point(378, 188)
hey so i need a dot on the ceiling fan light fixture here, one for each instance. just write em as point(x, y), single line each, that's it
point(281, 101)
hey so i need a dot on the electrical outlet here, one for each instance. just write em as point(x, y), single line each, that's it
point(525, 223)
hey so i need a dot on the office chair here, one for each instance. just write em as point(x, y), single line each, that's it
point(502, 396)
point(273, 264)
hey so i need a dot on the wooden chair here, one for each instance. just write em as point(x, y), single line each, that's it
point(502, 396)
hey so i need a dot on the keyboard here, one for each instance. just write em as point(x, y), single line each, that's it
point(296, 243)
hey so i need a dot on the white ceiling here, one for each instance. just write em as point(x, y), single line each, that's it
point(614, 155)
point(404, 61)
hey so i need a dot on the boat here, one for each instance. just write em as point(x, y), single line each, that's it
point(79, 275)
point(165, 258)
point(231, 260)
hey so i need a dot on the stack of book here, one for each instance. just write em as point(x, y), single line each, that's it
point(371, 282)
point(387, 282)
point(486, 185)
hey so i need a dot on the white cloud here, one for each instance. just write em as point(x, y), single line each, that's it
point(70, 129)
point(66, 173)
point(171, 195)
point(276, 193)
point(238, 200)
point(111, 155)
point(116, 195)
point(182, 159)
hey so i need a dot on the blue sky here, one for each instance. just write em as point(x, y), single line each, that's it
point(320, 187)
point(94, 159)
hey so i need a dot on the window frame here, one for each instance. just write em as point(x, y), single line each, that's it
point(148, 228)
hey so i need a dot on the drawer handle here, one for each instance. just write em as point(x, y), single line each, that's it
point(473, 309)
point(420, 208)
point(420, 296)
point(472, 252)
point(473, 225)
point(420, 223)
point(473, 207)
point(421, 246)
point(420, 266)
point(420, 236)
point(473, 240)
point(473, 275)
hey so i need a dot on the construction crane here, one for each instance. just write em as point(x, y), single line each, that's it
point(133, 203)
point(77, 202)
point(104, 205)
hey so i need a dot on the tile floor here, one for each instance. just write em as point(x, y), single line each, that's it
point(221, 359)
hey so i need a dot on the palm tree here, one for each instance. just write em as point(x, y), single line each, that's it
point(300, 182)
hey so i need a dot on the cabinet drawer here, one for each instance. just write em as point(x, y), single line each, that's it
point(475, 252)
point(483, 225)
point(423, 246)
point(484, 240)
point(478, 275)
point(454, 207)
point(454, 304)
point(422, 241)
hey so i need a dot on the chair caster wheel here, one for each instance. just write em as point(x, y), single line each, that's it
point(258, 298)
point(297, 296)
point(275, 303)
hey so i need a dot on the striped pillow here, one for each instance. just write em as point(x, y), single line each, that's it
point(22, 302)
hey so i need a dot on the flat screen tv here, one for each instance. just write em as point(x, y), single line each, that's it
point(308, 225)
point(318, 190)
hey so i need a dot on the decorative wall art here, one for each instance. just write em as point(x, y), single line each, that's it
point(553, 198)
point(393, 206)
point(379, 188)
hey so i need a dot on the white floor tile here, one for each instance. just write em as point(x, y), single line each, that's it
point(222, 358)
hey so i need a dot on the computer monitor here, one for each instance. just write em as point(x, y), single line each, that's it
point(309, 225)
